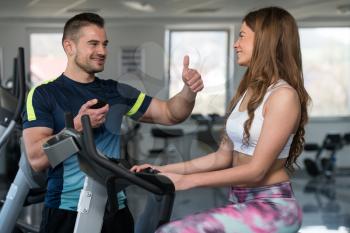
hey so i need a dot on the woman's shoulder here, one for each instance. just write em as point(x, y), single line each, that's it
point(281, 83)
point(282, 88)
point(284, 93)
point(283, 96)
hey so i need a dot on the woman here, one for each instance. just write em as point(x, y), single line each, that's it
point(264, 136)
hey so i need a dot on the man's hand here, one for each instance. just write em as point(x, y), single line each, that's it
point(179, 107)
point(97, 116)
point(191, 77)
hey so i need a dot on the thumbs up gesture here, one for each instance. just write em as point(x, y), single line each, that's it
point(191, 77)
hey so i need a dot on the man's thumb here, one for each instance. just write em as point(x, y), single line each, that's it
point(186, 61)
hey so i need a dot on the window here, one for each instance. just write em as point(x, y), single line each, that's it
point(47, 57)
point(208, 52)
point(326, 66)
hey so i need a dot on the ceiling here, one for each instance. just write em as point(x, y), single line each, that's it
point(170, 9)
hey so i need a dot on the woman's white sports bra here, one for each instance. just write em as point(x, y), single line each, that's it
point(235, 126)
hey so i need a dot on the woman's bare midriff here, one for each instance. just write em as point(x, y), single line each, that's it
point(276, 174)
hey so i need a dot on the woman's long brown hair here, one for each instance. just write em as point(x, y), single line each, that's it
point(276, 55)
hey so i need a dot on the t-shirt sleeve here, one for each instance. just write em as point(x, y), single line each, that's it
point(38, 110)
point(136, 101)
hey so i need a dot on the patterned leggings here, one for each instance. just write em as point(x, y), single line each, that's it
point(268, 209)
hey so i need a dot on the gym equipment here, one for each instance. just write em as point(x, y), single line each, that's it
point(129, 140)
point(11, 150)
point(10, 110)
point(164, 134)
point(26, 179)
point(105, 177)
point(209, 136)
point(326, 165)
point(346, 139)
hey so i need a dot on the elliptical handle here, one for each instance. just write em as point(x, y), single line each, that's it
point(69, 120)
point(88, 136)
point(22, 89)
point(90, 147)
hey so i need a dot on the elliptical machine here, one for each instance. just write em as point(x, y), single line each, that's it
point(10, 106)
point(26, 182)
point(105, 177)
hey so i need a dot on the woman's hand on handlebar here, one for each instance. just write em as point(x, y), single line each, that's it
point(139, 168)
point(180, 181)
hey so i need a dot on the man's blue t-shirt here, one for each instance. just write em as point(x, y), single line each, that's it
point(46, 105)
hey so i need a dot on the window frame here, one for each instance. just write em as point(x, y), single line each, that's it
point(228, 30)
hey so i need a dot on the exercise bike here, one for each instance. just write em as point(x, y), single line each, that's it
point(105, 177)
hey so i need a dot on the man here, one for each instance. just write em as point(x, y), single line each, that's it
point(77, 90)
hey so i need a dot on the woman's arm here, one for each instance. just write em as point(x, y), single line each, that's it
point(220, 159)
point(281, 118)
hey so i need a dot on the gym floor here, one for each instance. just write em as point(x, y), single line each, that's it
point(325, 203)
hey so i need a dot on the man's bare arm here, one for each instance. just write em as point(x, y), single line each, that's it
point(34, 138)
